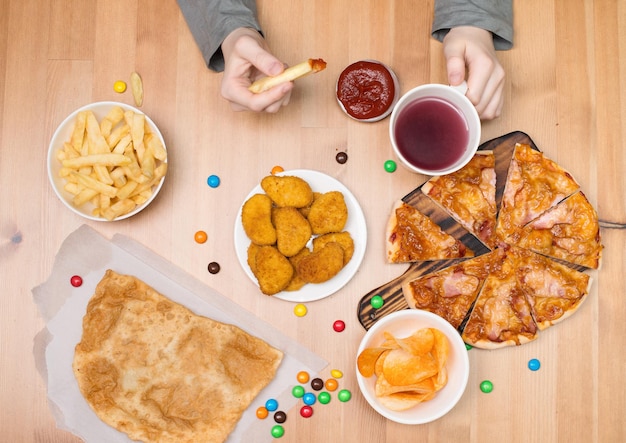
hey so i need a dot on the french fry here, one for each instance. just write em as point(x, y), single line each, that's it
point(109, 159)
point(114, 116)
point(92, 183)
point(113, 164)
point(154, 143)
point(136, 87)
point(119, 208)
point(78, 134)
point(288, 75)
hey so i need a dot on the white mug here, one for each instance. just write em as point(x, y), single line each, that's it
point(435, 129)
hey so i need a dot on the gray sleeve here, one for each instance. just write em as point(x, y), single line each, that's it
point(210, 22)
point(495, 16)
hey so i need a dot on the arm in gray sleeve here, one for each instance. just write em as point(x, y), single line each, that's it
point(210, 22)
point(495, 16)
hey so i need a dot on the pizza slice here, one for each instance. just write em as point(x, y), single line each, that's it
point(501, 315)
point(469, 196)
point(569, 231)
point(554, 291)
point(449, 292)
point(534, 184)
point(413, 236)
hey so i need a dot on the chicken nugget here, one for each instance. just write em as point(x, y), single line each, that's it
point(256, 217)
point(305, 211)
point(322, 265)
point(273, 270)
point(296, 282)
point(343, 238)
point(287, 190)
point(293, 231)
point(328, 213)
point(251, 257)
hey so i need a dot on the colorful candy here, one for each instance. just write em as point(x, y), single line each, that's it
point(377, 302)
point(297, 391)
point(309, 398)
point(271, 405)
point(277, 170)
point(534, 364)
point(306, 411)
point(302, 376)
point(324, 398)
point(344, 395)
point(300, 310)
point(468, 346)
point(76, 281)
point(200, 237)
point(280, 417)
point(341, 157)
point(331, 384)
point(214, 267)
point(119, 86)
point(317, 384)
point(486, 386)
point(213, 181)
point(390, 166)
point(339, 325)
point(262, 412)
point(278, 431)
point(336, 373)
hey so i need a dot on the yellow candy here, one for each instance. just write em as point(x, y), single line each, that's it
point(300, 310)
point(336, 373)
point(119, 86)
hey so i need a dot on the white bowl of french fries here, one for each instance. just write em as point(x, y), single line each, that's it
point(107, 161)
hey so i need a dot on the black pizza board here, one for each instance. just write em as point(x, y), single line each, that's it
point(391, 292)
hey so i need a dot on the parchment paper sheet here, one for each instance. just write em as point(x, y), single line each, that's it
point(87, 254)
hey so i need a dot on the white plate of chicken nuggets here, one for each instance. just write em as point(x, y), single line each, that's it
point(300, 235)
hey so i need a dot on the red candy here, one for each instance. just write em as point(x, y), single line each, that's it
point(339, 325)
point(76, 281)
point(306, 411)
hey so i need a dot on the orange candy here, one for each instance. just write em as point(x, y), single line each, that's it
point(200, 237)
point(303, 376)
point(277, 169)
point(262, 412)
point(331, 384)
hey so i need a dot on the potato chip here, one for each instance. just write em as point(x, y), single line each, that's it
point(402, 368)
point(409, 370)
point(367, 359)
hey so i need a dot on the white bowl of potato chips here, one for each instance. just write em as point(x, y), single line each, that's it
point(412, 366)
point(107, 161)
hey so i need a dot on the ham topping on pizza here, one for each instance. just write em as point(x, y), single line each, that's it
point(534, 184)
point(412, 236)
point(469, 196)
point(569, 231)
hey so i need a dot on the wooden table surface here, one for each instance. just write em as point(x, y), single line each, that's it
point(566, 88)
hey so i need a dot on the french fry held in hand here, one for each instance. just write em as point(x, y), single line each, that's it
point(114, 164)
point(310, 66)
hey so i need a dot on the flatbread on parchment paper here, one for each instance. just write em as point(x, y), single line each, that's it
point(153, 369)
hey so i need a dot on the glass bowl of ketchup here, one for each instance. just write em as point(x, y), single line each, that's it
point(367, 90)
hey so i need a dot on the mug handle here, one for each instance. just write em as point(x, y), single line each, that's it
point(462, 88)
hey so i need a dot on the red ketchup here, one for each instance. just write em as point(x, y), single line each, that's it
point(367, 90)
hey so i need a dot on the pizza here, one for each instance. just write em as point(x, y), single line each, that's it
point(156, 371)
point(413, 236)
point(523, 294)
point(469, 195)
point(568, 231)
point(450, 292)
point(534, 184)
point(540, 242)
